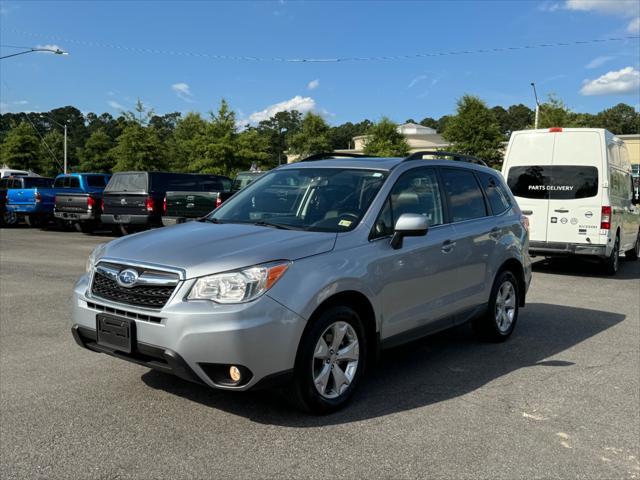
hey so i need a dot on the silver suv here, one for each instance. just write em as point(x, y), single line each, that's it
point(306, 274)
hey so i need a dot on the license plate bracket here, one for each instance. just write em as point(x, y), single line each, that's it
point(115, 332)
point(122, 218)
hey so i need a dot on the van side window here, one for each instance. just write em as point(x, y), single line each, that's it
point(416, 191)
point(499, 199)
point(465, 197)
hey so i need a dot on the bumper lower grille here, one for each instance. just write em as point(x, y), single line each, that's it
point(140, 296)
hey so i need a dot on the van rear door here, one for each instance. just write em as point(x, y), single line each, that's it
point(574, 188)
point(528, 161)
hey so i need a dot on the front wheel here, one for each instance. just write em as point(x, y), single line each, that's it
point(330, 362)
point(501, 317)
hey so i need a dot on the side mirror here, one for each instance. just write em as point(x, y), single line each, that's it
point(408, 225)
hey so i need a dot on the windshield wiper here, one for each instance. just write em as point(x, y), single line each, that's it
point(262, 223)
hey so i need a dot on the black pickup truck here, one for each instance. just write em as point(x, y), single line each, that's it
point(207, 194)
point(135, 200)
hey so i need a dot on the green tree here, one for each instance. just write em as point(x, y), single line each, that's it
point(429, 122)
point(621, 119)
point(474, 130)
point(341, 137)
point(21, 148)
point(313, 137)
point(96, 155)
point(52, 154)
point(139, 148)
point(554, 113)
point(520, 117)
point(278, 130)
point(384, 140)
point(188, 141)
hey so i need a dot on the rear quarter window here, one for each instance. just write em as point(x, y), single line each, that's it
point(498, 197)
point(554, 182)
point(466, 201)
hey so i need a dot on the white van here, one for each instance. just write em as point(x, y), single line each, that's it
point(10, 172)
point(576, 188)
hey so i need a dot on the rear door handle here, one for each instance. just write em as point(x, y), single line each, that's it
point(527, 212)
point(561, 210)
point(448, 246)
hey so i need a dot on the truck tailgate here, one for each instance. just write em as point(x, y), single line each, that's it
point(72, 202)
point(125, 204)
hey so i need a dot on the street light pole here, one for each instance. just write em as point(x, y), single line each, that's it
point(537, 120)
point(65, 148)
point(56, 51)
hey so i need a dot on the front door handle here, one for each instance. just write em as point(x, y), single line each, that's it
point(448, 246)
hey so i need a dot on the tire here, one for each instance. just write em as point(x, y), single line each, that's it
point(84, 227)
point(634, 253)
point(612, 262)
point(323, 382)
point(9, 219)
point(32, 221)
point(499, 322)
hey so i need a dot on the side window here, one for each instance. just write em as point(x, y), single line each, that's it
point(59, 183)
point(416, 191)
point(498, 198)
point(74, 182)
point(465, 197)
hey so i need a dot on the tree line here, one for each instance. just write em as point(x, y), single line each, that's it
point(216, 143)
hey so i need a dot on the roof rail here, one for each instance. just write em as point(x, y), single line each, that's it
point(460, 157)
point(330, 155)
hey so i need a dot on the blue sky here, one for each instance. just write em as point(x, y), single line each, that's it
point(99, 77)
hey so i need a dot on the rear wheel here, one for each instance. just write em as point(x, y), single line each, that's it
point(84, 227)
point(32, 220)
point(330, 362)
point(501, 317)
point(9, 219)
point(634, 253)
point(612, 262)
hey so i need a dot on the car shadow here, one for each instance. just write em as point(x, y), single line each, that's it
point(576, 266)
point(427, 371)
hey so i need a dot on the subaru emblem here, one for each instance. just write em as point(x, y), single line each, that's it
point(127, 278)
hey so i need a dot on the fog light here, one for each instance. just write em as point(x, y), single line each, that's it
point(234, 373)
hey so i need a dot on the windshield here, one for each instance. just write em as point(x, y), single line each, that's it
point(315, 199)
point(127, 182)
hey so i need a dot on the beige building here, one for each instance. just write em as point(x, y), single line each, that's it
point(418, 137)
point(633, 147)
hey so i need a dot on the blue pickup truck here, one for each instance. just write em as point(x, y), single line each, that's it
point(36, 205)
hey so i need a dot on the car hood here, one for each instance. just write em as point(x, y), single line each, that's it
point(201, 248)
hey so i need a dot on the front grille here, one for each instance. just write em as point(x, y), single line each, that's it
point(141, 296)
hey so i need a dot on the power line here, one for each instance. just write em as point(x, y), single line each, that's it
point(43, 141)
point(216, 57)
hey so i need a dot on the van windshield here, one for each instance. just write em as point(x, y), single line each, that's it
point(127, 182)
point(553, 182)
point(315, 199)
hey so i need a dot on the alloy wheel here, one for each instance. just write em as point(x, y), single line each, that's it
point(335, 359)
point(505, 306)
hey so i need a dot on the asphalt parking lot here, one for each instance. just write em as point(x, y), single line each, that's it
point(561, 399)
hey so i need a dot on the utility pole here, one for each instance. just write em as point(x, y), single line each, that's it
point(65, 148)
point(537, 120)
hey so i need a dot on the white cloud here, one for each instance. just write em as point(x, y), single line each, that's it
point(549, 6)
point(620, 8)
point(620, 82)
point(416, 80)
point(301, 104)
point(598, 62)
point(115, 105)
point(313, 84)
point(183, 91)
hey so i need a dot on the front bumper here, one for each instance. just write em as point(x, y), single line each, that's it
point(559, 249)
point(193, 339)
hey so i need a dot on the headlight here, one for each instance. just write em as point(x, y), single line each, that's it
point(238, 286)
point(95, 255)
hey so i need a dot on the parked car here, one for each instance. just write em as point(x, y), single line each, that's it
point(78, 200)
point(244, 178)
point(30, 199)
point(303, 276)
point(206, 194)
point(576, 187)
point(134, 201)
